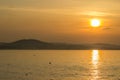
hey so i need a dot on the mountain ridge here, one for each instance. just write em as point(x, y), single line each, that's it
point(33, 44)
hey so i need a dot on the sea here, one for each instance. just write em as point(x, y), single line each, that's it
point(59, 64)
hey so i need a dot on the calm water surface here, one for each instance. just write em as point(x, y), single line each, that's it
point(60, 65)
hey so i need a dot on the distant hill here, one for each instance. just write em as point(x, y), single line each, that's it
point(105, 46)
point(25, 44)
point(2, 43)
point(32, 44)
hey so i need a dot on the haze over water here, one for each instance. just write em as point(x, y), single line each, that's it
point(59, 65)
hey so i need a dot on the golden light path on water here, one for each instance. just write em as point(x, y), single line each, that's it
point(95, 62)
point(95, 57)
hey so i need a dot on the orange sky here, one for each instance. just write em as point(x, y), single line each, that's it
point(60, 20)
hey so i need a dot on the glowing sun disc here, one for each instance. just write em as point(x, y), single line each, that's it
point(95, 23)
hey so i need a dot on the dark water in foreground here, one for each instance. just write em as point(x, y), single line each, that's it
point(60, 65)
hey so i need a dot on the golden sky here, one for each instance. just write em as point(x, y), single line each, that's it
point(60, 20)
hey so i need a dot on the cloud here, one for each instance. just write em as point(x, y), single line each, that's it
point(107, 28)
point(94, 13)
point(72, 11)
point(33, 9)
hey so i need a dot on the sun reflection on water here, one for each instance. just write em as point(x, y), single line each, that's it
point(95, 62)
point(95, 57)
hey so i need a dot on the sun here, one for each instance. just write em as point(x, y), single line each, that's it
point(95, 22)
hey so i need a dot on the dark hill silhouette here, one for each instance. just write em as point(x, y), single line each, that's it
point(25, 44)
point(32, 44)
point(1, 43)
point(105, 46)
point(29, 42)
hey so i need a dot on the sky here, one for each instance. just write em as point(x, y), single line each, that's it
point(66, 21)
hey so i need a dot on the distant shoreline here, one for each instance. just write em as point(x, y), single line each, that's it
point(32, 44)
point(58, 49)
